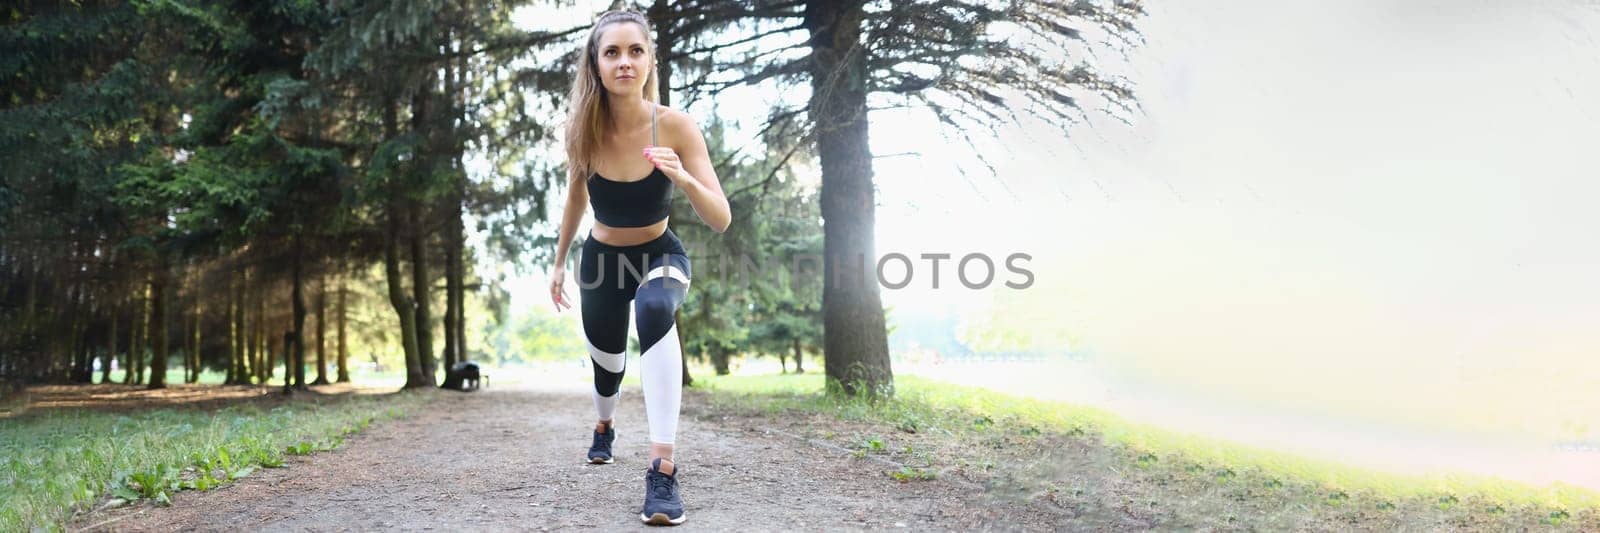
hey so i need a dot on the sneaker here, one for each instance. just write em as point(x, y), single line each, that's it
point(662, 505)
point(600, 450)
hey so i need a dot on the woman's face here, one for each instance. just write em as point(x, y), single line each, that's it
point(623, 57)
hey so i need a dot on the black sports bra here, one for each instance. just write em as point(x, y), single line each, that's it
point(632, 204)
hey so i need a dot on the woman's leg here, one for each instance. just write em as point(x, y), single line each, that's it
point(665, 284)
point(604, 306)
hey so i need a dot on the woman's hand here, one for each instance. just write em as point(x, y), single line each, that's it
point(666, 159)
point(558, 291)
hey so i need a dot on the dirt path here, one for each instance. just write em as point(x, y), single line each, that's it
point(505, 459)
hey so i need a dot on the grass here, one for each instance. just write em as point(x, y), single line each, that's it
point(55, 464)
point(536, 372)
point(1158, 460)
point(359, 374)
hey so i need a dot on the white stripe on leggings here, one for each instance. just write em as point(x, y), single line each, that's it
point(662, 379)
point(612, 362)
point(669, 271)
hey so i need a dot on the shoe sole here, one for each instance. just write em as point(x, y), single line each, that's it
point(600, 460)
point(661, 519)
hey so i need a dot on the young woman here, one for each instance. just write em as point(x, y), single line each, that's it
point(616, 133)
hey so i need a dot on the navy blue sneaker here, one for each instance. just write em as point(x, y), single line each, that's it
point(600, 450)
point(662, 505)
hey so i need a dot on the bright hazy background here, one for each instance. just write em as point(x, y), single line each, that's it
point(1364, 230)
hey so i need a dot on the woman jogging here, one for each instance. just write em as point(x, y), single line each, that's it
point(617, 132)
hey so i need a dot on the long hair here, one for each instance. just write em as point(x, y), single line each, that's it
point(591, 104)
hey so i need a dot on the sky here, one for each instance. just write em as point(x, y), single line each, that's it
point(1377, 209)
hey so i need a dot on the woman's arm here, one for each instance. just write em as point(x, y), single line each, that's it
point(577, 202)
point(690, 168)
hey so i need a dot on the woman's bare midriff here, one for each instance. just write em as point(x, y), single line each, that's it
point(629, 236)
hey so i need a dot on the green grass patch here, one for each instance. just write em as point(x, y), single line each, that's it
point(358, 374)
point(65, 461)
point(981, 415)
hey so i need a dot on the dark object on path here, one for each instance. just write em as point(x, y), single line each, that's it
point(463, 376)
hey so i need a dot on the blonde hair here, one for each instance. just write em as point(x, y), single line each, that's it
point(591, 104)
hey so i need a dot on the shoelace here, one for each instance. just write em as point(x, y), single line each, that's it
point(660, 485)
point(600, 442)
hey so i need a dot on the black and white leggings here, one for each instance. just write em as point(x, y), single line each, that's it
point(654, 276)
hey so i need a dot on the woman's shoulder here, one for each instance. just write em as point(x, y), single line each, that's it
point(676, 124)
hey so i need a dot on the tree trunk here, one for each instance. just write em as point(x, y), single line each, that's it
point(78, 371)
point(404, 307)
point(687, 381)
point(63, 346)
point(251, 316)
point(66, 345)
point(421, 279)
point(30, 309)
point(111, 344)
point(263, 354)
point(797, 368)
point(719, 358)
point(298, 352)
point(288, 360)
point(158, 324)
point(401, 302)
point(194, 344)
point(87, 330)
point(666, 31)
point(238, 336)
point(189, 332)
point(461, 303)
point(234, 375)
point(144, 336)
point(460, 230)
point(322, 330)
point(274, 355)
point(452, 284)
point(344, 367)
point(454, 232)
point(199, 340)
point(420, 282)
point(856, 345)
point(82, 372)
point(135, 337)
point(243, 351)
